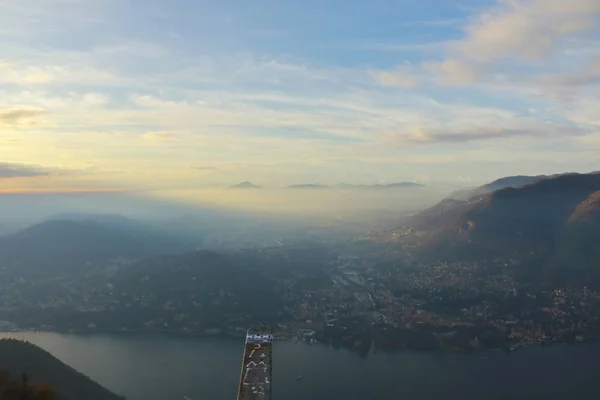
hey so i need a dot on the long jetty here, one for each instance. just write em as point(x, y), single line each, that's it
point(255, 379)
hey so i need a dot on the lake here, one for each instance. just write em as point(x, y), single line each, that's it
point(164, 367)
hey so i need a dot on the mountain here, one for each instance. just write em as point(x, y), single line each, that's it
point(401, 185)
point(395, 185)
point(353, 186)
point(17, 357)
point(509, 181)
point(458, 201)
point(308, 186)
point(580, 240)
point(556, 217)
point(245, 185)
point(65, 244)
point(512, 181)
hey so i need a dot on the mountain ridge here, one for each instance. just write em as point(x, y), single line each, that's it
point(501, 183)
point(67, 245)
point(534, 217)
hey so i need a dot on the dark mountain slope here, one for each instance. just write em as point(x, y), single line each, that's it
point(511, 181)
point(579, 244)
point(459, 201)
point(537, 217)
point(19, 357)
point(435, 218)
point(502, 183)
point(67, 244)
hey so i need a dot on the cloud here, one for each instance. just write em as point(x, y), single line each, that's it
point(25, 74)
point(159, 136)
point(522, 129)
point(593, 139)
point(399, 77)
point(586, 114)
point(9, 170)
point(201, 167)
point(427, 47)
point(526, 29)
point(21, 116)
point(453, 71)
point(448, 22)
point(591, 74)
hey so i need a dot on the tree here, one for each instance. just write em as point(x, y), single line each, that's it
point(15, 389)
point(24, 387)
point(44, 391)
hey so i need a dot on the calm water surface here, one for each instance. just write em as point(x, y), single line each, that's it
point(163, 367)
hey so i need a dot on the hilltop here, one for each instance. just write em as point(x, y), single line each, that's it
point(18, 357)
point(245, 185)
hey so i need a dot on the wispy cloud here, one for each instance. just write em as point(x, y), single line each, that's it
point(517, 32)
point(418, 87)
point(21, 117)
point(422, 135)
point(160, 136)
point(402, 76)
point(530, 30)
point(8, 170)
point(22, 73)
point(406, 47)
point(588, 75)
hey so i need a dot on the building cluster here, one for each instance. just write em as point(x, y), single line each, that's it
point(382, 295)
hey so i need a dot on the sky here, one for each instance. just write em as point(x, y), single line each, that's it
point(118, 95)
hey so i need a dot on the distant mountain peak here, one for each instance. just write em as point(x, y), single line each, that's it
point(383, 185)
point(245, 185)
point(308, 186)
point(401, 185)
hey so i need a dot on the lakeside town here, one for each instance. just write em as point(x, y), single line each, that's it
point(361, 297)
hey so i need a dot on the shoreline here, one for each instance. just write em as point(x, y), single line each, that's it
point(225, 335)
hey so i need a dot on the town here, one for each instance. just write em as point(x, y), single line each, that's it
point(360, 296)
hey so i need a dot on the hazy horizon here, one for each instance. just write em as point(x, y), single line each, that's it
point(302, 207)
point(128, 95)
